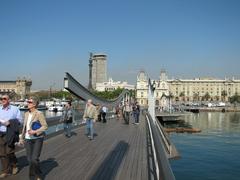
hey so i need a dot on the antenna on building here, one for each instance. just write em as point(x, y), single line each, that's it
point(90, 71)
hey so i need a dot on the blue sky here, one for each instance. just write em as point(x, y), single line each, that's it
point(189, 38)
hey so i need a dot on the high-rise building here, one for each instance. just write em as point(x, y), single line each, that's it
point(97, 69)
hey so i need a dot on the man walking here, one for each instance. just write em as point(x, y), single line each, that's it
point(90, 115)
point(127, 109)
point(67, 119)
point(8, 113)
point(104, 113)
point(136, 112)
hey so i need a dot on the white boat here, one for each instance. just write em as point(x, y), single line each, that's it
point(56, 108)
point(52, 108)
point(60, 107)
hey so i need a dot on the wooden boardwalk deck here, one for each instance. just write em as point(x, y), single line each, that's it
point(118, 152)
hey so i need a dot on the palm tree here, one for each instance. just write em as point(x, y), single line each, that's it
point(207, 96)
point(224, 95)
point(182, 95)
point(235, 98)
point(195, 96)
point(217, 98)
point(171, 96)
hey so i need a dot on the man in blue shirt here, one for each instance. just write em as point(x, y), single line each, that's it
point(7, 155)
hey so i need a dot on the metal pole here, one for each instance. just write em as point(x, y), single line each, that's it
point(151, 100)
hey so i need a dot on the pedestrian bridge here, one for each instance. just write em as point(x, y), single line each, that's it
point(118, 151)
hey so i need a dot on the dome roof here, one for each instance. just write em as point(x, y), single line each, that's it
point(142, 76)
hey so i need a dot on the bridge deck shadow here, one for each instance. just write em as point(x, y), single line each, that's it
point(109, 167)
point(118, 152)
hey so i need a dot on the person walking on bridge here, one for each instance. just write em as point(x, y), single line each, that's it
point(32, 136)
point(8, 114)
point(90, 116)
point(67, 119)
point(136, 112)
point(127, 109)
point(104, 113)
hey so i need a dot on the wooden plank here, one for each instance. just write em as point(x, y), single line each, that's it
point(117, 152)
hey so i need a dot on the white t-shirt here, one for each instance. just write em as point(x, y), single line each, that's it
point(28, 127)
point(104, 109)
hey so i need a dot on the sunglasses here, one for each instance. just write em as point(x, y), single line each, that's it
point(29, 102)
point(3, 98)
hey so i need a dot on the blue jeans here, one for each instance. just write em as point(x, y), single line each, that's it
point(89, 128)
point(67, 129)
point(136, 117)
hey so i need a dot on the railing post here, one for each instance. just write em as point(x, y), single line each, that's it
point(151, 100)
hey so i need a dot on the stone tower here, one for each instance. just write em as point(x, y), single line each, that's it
point(23, 87)
point(97, 69)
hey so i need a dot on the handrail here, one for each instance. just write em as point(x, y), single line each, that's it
point(163, 136)
point(160, 155)
point(54, 122)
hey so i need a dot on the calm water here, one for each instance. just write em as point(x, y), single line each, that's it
point(212, 154)
point(47, 113)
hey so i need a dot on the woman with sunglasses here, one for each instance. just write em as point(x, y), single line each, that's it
point(33, 132)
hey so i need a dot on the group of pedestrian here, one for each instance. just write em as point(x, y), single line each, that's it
point(32, 136)
point(131, 109)
point(102, 112)
point(34, 126)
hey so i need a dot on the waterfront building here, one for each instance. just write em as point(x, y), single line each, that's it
point(20, 87)
point(197, 89)
point(97, 69)
point(142, 88)
point(111, 85)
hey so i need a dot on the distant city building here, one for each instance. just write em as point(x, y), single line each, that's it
point(20, 87)
point(111, 85)
point(97, 69)
point(198, 89)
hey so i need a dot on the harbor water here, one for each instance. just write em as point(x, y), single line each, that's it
point(213, 154)
point(47, 113)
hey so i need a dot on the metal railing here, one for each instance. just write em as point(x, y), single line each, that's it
point(160, 155)
point(55, 126)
